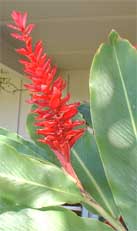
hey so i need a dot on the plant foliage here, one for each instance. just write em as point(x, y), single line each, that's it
point(98, 170)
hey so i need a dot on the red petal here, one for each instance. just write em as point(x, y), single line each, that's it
point(78, 123)
point(24, 62)
point(37, 47)
point(29, 43)
point(46, 131)
point(76, 137)
point(42, 60)
point(46, 123)
point(65, 99)
point(70, 113)
point(53, 71)
point(47, 64)
point(55, 99)
point(54, 102)
point(38, 55)
point(13, 27)
point(22, 51)
point(59, 83)
point(15, 15)
point(29, 28)
point(17, 36)
point(24, 19)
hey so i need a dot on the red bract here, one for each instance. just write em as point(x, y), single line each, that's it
point(54, 114)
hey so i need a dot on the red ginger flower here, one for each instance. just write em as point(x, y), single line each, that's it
point(54, 114)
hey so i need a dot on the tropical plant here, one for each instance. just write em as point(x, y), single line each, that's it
point(71, 161)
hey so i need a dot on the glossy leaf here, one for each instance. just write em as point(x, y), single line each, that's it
point(29, 182)
point(84, 109)
point(7, 205)
point(88, 166)
point(24, 146)
point(58, 219)
point(113, 90)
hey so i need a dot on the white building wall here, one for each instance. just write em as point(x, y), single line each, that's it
point(9, 102)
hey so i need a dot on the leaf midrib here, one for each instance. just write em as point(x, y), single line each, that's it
point(88, 173)
point(24, 181)
point(125, 93)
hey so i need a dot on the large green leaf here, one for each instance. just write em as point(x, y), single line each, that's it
point(58, 219)
point(88, 166)
point(24, 146)
point(29, 182)
point(113, 90)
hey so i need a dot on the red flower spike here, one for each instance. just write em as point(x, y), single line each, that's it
point(58, 130)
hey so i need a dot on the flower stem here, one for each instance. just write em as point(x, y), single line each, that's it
point(67, 167)
point(91, 202)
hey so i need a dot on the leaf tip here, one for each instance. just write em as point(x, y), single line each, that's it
point(113, 37)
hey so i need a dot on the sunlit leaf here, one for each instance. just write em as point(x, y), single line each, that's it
point(29, 182)
point(113, 90)
point(54, 220)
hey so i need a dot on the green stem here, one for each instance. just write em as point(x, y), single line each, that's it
point(91, 202)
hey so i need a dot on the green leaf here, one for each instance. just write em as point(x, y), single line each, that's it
point(58, 219)
point(23, 146)
point(84, 109)
point(6, 205)
point(20, 148)
point(113, 91)
point(88, 166)
point(29, 182)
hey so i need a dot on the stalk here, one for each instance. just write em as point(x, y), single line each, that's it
point(91, 202)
